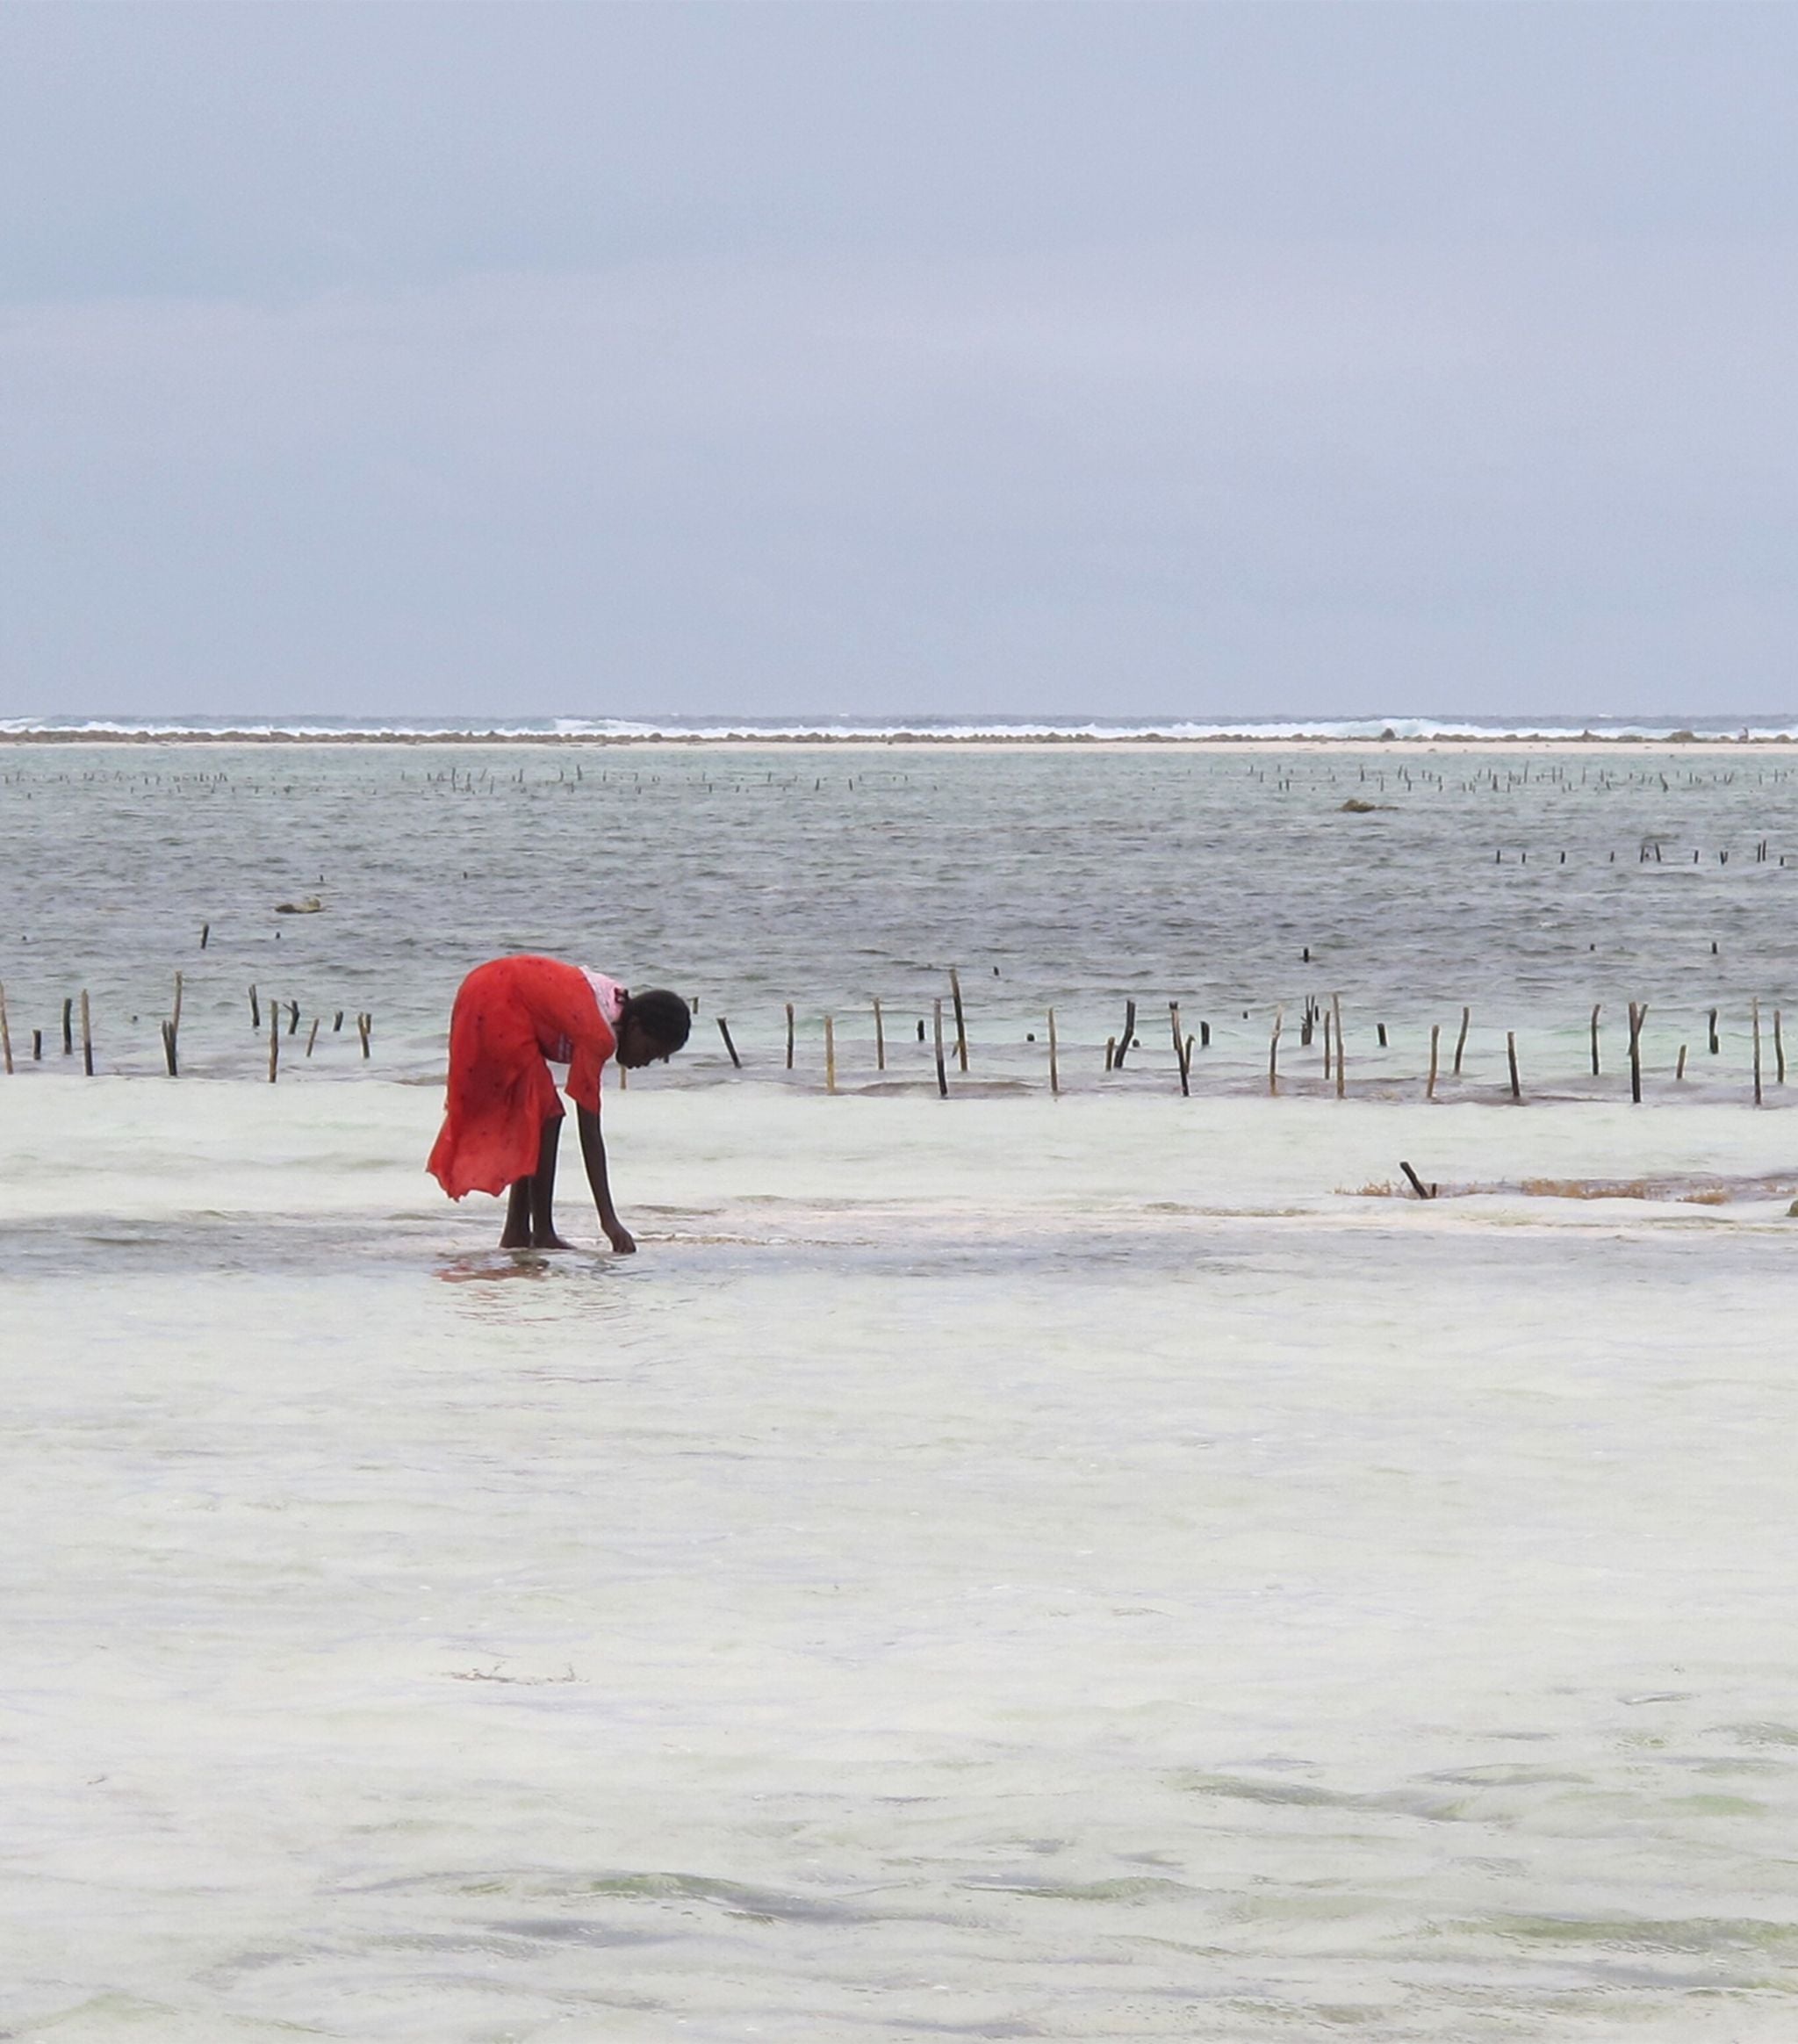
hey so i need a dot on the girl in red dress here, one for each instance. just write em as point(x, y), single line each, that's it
point(513, 1018)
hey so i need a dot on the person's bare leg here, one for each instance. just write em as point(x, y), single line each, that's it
point(517, 1234)
point(543, 1190)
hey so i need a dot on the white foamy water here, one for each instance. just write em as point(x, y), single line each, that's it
point(997, 1568)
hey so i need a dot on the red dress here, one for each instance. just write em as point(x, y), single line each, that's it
point(513, 1016)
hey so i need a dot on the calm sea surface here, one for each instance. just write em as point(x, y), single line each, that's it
point(1526, 885)
point(1005, 1569)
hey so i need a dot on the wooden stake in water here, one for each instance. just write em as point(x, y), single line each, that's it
point(255, 1008)
point(1054, 1063)
point(364, 1028)
point(1638, 1015)
point(174, 1016)
point(1461, 1041)
point(1511, 1056)
point(205, 933)
point(1128, 1037)
point(1596, 1007)
point(1336, 1016)
point(1179, 1044)
point(1110, 1052)
point(68, 1027)
point(725, 1031)
point(789, 1036)
point(312, 1036)
point(1713, 1032)
point(87, 1037)
point(879, 1038)
point(1680, 1069)
point(1779, 1051)
point(1273, 1053)
point(942, 1073)
point(1435, 1039)
point(168, 1052)
point(274, 1043)
point(1754, 1018)
point(830, 1055)
point(960, 1020)
point(5, 1033)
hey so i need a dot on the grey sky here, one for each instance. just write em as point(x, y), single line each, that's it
point(1208, 360)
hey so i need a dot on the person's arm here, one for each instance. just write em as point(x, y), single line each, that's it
point(593, 1153)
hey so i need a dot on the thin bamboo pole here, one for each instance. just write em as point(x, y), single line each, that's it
point(87, 1037)
point(1336, 1016)
point(1511, 1058)
point(1273, 1053)
point(1596, 1006)
point(5, 1035)
point(942, 1074)
point(1754, 1015)
point(1461, 1041)
point(960, 1020)
point(789, 1036)
point(274, 1041)
point(829, 1054)
point(879, 1038)
point(1054, 1064)
point(1436, 1040)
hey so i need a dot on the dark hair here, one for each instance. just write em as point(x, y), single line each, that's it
point(662, 1016)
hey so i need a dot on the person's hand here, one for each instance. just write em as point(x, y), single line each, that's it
point(621, 1239)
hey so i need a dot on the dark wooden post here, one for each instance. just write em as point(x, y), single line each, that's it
point(960, 1020)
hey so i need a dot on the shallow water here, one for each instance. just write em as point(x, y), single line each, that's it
point(993, 1570)
point(1526, 884)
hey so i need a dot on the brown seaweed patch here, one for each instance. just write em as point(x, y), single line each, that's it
point(1694, 1190)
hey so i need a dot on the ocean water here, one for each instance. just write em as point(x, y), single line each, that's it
point(1009, 1569)
point(1526, 885)
point(1104, 1567)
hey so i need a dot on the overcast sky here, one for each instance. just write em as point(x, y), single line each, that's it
point(1207, 360)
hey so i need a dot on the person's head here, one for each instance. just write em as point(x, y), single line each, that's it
point(651, 1026)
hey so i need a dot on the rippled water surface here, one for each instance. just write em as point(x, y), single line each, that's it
point(1528, 885)
point(1004, 1567)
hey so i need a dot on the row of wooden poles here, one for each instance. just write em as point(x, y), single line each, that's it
point(1117, 1049)
point(169, 1030)
point(1315, 1015)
